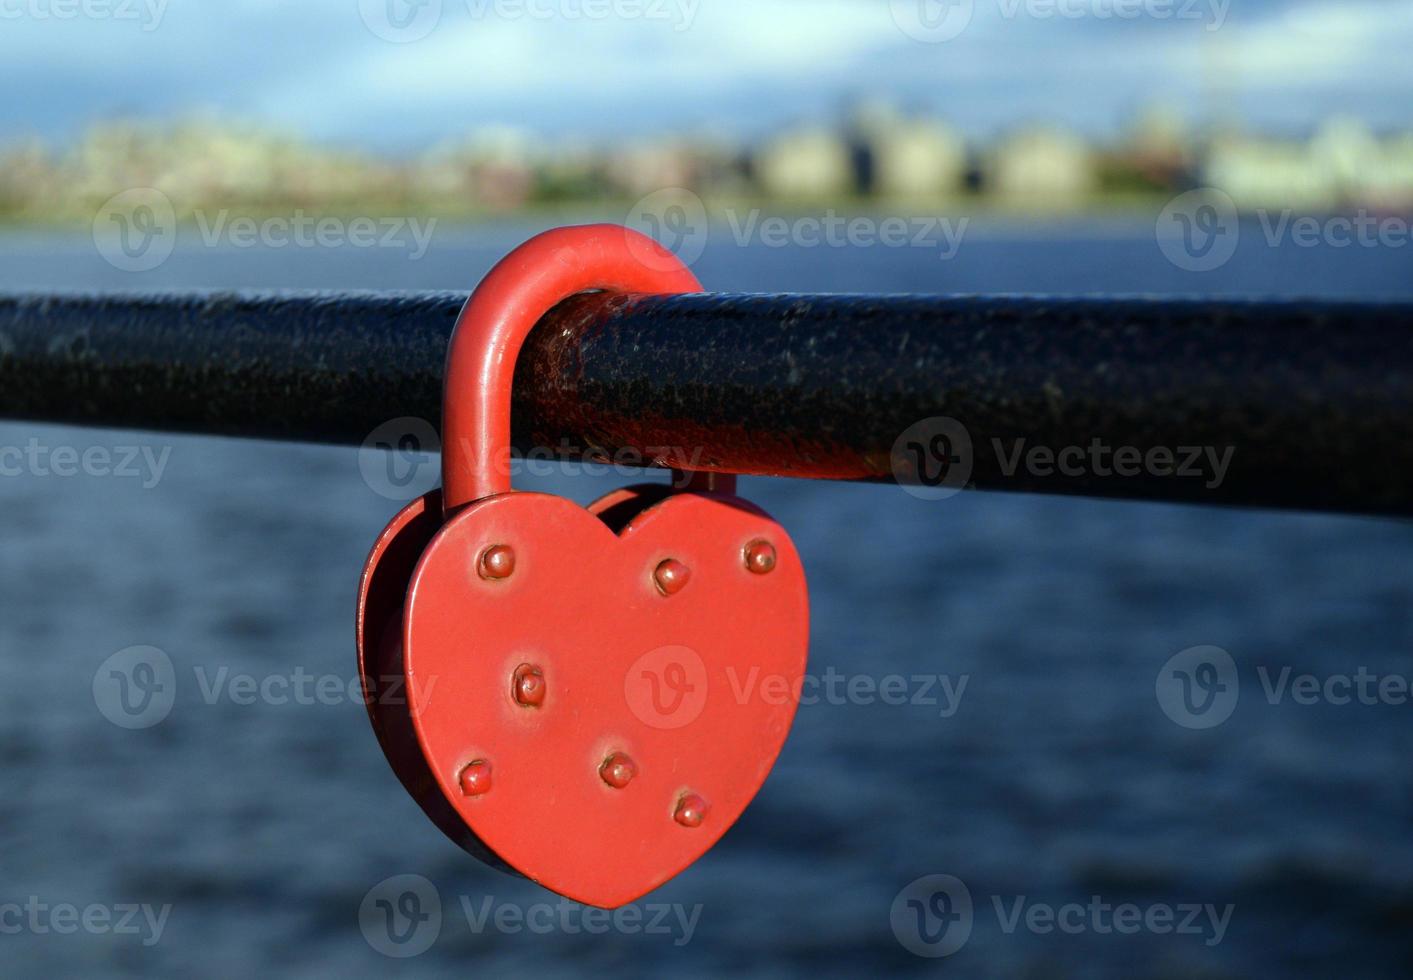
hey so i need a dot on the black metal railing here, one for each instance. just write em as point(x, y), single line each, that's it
point(1310, 404)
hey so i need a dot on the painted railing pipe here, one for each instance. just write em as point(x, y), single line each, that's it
point(1285, 404)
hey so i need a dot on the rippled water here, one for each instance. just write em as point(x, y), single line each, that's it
point(1058, 778)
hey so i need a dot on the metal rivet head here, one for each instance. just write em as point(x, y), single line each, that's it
point(498, 562)
point(529, 686)
point(760, 557)
point(671, 576)
point(691, 810)
point(618, 770)
point(476, 778)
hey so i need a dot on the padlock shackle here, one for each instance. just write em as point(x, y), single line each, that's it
point(493, 325)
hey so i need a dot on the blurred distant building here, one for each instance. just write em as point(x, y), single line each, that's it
point(900, 157)
point(805, 163)
point(1343, 154)
point(443, 173)
point(1358, 168)
point(494, 168)
point(919, 158)
point(1391, 186)
point(203, 163)
point(27, 178)
point(1261, 173)
point(1041, 166)
point(1160, 133)
point(1343, 164)
point(646, 166)
point(210, 164)
point(1158, 148)
point(114, 156)
point(572, 170)
point(722, 165)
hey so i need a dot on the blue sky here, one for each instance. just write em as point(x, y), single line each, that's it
point(343, 70)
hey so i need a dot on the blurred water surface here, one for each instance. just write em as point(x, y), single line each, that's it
point(1059, 778)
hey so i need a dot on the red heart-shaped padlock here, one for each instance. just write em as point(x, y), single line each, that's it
point(590, 697)
point(591, 703)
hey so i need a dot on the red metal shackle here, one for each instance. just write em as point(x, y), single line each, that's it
point(500, 314)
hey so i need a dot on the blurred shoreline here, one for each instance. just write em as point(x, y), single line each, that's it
point(873, 160)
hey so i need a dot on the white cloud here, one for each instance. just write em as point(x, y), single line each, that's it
point(709, 46)
point(1327, 41)
point(315, 67)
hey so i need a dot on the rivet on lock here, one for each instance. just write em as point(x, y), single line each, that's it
point(580, 689)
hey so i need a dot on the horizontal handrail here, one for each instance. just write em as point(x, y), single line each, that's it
point(1287, 404)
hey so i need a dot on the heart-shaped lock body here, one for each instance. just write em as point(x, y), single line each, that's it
point(654, 718)
point(590, 697)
